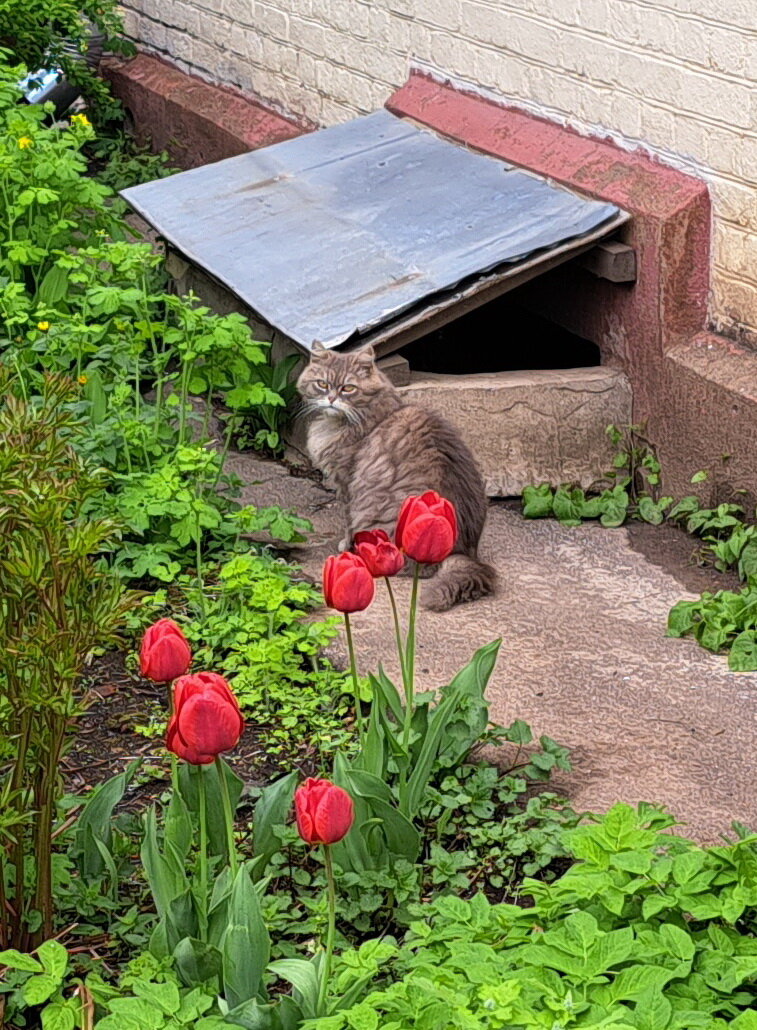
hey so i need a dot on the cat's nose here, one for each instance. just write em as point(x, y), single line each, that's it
point(332, 398)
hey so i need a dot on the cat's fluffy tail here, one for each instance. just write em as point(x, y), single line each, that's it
point(460, 578)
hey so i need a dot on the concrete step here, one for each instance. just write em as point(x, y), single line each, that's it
point(528, 427)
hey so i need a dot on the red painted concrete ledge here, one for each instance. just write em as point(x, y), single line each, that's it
point(195, 121)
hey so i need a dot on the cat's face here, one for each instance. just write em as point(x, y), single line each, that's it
point(340, 385)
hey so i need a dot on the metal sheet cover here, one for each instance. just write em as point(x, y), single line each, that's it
point(338, 231)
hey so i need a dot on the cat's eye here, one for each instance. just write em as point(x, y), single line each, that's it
point(348, 388)
point(321, 384)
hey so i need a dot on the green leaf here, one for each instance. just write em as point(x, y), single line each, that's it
point(634, 981)
point(164, 996)
point(58, 1016)
point(246, 946)
point(54, 286)
point(653, 1011)
point(305, 979)
point(743, 656)
point(40, 988)
point(537, 501)
point(54, 958)
point(273, 808)
point(567, 505)
point(651, 511)
point(699, 477)
point(18, 960)
point(682, 618)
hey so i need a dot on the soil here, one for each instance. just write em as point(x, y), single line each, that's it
point(679, 554)
point(106, 741)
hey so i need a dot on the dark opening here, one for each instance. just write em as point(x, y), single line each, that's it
point(501, 336)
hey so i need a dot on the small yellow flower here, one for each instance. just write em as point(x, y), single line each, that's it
point(83, 380)
point(80, 119)
point(44, 326)
point(25, 142)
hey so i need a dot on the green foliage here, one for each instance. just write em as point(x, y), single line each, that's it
point(120, 162)
point(34, 982)
point(56, 609)
point(57, 34)
point(253, 620)
point(636, 474)
point(644, 932)
point(476, 827)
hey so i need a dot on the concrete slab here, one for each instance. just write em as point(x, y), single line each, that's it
point(584, 659)
point(532, 426)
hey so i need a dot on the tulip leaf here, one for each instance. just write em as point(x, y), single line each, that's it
point(402, 838)
point(181, 919)
point(246, 946)
point(281, 1014)
point(351, 853)
point(304, 978)
point(455, 724)
point(272, 809)
point(178, 825)
point(217, 915)
point(372, 755)
point(95, 824)
point(165, 874)
point(196, 962)
point(190, 792)
point(381, 683)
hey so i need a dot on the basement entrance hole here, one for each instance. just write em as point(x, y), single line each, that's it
point(501, 336)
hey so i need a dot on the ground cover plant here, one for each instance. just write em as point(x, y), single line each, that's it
point(721, 621)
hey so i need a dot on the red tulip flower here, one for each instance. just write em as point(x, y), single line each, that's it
point(381, 556)
point(427, 528)
point(324, 812)
point(347, 583)
point(206, 719)
point(165, 653)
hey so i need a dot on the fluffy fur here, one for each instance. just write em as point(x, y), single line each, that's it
point(375, 450)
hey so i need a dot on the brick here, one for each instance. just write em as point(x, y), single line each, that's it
point(733, 300)
point(271, 22)
point(242, 11)
point(734, 203)
point(153, 34)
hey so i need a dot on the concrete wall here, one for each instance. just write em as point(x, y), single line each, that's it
point(675, 76)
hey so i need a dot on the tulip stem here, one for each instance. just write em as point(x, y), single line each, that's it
point(355, 683)
point(397, 632)
point(410, 662)
point(203, 892)
point(331, 931)
point(228, 816)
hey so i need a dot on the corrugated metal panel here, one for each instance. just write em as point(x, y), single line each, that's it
point(339, 231)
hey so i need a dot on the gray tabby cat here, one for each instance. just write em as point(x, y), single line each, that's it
point(375, 450)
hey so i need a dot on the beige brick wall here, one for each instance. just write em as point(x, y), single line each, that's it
point(677, 77)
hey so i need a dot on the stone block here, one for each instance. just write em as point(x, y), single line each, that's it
point(531, 427)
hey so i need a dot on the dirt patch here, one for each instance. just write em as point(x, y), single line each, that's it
point(679, 554)
point(105, 740)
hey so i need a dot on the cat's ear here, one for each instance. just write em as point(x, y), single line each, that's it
point(317, 350)
point(366, 356)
